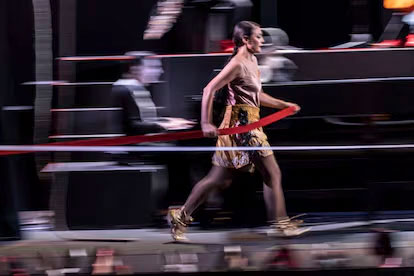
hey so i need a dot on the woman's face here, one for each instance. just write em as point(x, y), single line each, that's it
point(254, 43)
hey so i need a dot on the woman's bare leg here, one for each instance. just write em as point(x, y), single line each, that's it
point(217, 176)
point(273, 193)
point(284, 226)
point(180, 218)
point(270, 202)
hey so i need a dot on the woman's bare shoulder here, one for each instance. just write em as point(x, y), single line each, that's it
point(235, 64)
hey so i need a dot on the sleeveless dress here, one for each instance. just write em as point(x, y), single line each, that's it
point(243, 107)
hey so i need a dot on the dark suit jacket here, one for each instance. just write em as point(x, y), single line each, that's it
point(133, 123)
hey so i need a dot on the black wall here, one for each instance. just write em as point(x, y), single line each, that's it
point(18, 180)
point(315, 24)
point(322, 23)
point(8, 219)
point(107, 27)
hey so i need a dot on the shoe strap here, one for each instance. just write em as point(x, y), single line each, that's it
point(298, 216)
point(289, 222)
point(184, 219)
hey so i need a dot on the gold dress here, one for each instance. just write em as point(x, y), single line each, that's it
point(242, 109)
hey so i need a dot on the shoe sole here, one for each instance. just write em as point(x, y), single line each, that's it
point(282, 235)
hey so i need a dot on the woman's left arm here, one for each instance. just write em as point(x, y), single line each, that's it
point(269, 101)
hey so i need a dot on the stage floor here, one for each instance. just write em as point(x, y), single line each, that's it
point(336, 241)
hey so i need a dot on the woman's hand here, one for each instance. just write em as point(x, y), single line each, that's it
point(209, 130)
point(295, 106)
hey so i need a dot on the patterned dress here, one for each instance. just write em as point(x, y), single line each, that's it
point(242, 109)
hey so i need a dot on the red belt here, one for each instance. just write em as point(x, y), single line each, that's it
point(163, 137)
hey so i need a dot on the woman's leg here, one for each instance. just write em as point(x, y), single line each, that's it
point(273, 192)
point(180, 218)
point(270, 202)
point(272, 178)
point(217, 176)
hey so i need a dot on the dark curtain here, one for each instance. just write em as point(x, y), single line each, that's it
point(18, 178)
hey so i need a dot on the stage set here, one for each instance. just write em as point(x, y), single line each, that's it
point(81, 193)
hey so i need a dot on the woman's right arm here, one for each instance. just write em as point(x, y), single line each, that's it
point(229, 73)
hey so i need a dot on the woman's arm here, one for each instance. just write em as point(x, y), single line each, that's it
point(229, 72)
point(269, 101)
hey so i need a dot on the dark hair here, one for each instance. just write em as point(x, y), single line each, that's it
point(242, 29)
point(135, 58)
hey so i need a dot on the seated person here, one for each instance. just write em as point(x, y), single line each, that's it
point(130, 93)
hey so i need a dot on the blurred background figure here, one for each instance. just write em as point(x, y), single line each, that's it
point(163, 17)
point(234, 258)
point(282, 258)
point(139, 111)
point(400, 29)
point(210, 28)
point(384, 249)
point(104, 263)
point(273, 66)
point(275, 39)
point(131, 93)
point(276, 68)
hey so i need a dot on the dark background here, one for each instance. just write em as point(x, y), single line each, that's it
point(106, 27)
point(18, 181)
point(109, 27)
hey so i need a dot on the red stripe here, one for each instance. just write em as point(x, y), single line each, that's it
point(93, 58)
point(187, 135)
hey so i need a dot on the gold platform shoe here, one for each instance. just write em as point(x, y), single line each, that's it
point(288, 227)
point(179, 222)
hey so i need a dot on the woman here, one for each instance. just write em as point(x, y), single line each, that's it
point(242, 76)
